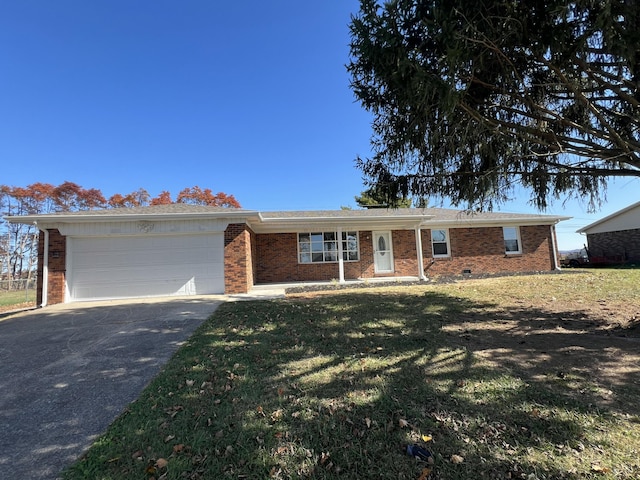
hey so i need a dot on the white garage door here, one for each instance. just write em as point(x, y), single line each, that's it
point(147, 265)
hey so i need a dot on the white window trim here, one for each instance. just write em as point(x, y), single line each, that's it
point(339, 251)
point(518, 238)
point(446, 238)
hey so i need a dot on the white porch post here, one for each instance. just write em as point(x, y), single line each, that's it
point(421, 274)
point(340, 259)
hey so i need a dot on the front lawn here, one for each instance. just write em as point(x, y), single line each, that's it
point(529, 377)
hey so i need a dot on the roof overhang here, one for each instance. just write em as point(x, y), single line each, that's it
point(262, 224)
point(482, 222)
point(46, 221)
point(291, 221)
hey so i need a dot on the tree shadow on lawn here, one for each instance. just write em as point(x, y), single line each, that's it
point(334, 387)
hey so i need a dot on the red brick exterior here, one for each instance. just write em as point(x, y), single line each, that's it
point(239, 255)
point(479, 250)
point(623, 244)
point(57, 267)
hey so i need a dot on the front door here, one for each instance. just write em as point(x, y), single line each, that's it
point(382, 252)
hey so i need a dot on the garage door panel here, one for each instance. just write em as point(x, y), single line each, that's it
point(119, 267)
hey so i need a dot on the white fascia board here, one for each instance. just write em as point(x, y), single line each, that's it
point(297, 224)
point(50, 220)
point(477, 223)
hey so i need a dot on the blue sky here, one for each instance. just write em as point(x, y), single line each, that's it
point(250, 98)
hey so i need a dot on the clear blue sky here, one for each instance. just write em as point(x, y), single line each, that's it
point(250, 98)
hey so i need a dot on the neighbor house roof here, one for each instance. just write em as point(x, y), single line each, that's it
point(626, 219)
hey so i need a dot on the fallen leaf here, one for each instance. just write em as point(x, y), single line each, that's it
point(161, 463)
point(600, 469)
point(426, 438)
point(457, 459)
point(189, 383)
point(178, 448)
point(403, 423)
point(168, 438)
point(425, 473)
point(368, 422)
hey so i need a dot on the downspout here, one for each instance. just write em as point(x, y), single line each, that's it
point(421, 274)
point(45, 266)
point(555, 248)
point(340, 259)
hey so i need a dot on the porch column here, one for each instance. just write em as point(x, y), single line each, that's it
point(421, 274)
point(340, 259)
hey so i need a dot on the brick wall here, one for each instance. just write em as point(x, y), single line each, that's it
point(625, 243)
point(57, 267)
point(480, 250)
point(239, 258)
point(277, 261)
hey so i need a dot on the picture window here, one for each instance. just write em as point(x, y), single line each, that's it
point(323, 247)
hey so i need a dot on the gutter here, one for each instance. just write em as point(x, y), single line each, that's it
point(45, 266)
point(555, 248)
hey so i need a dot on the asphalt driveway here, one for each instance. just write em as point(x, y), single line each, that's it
point(67, 371)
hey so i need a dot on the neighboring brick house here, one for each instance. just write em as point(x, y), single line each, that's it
point(617, 236)
point(184, 249)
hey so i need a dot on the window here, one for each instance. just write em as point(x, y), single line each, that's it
point(319, 247)
point(511, 240)
point(440, 243)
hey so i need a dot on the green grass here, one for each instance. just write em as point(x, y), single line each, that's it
point(16, 297)
point(333, 386)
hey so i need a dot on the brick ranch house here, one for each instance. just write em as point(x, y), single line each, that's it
point(616, 236)
point(187, 250)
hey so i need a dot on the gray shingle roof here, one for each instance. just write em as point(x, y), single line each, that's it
point(391, 216)
point(439, 214)
point(173, 208)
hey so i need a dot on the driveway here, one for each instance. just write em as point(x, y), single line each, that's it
point(67, 371)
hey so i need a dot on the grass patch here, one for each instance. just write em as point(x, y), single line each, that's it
point(10, 299)
point(333, 385)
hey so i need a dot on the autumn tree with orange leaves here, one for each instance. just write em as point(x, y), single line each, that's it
point(19, 243)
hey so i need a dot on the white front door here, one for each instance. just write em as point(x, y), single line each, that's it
point(382, 252)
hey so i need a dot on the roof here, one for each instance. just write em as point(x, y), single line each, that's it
point(620, 220)
point(156, 212)
point(401, 218)
point(447, 214)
